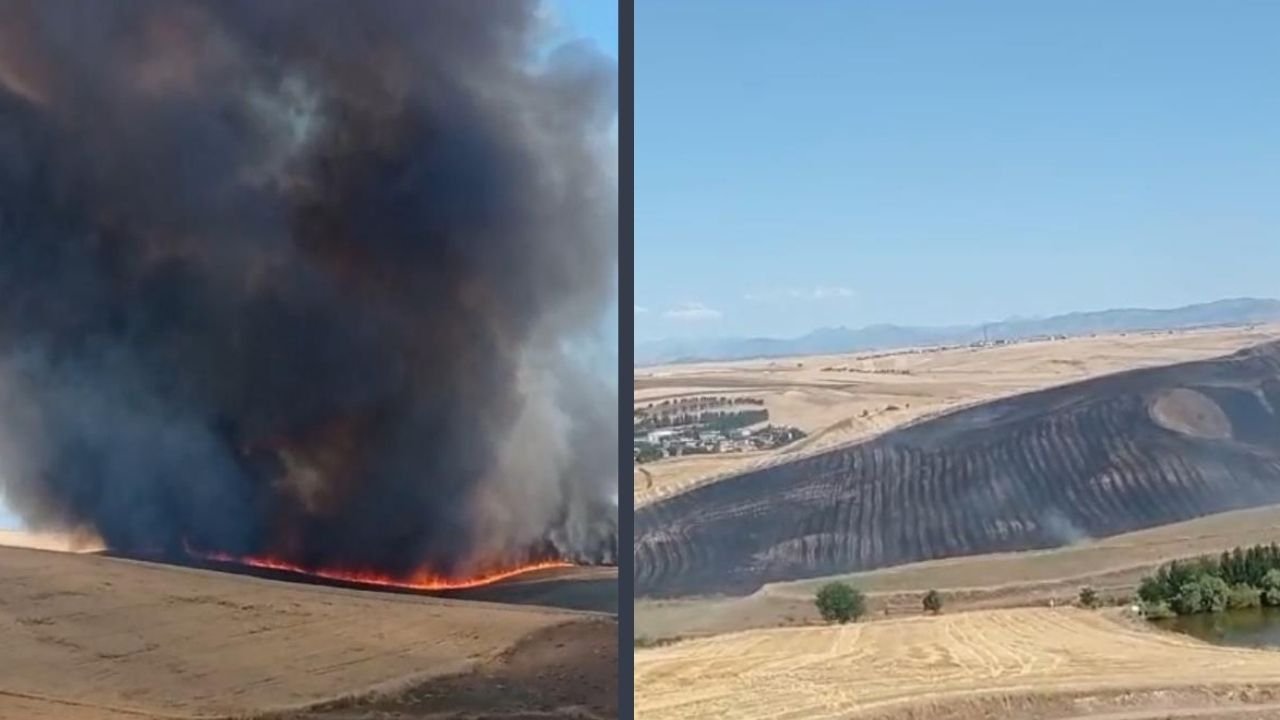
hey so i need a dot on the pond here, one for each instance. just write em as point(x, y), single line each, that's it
point(1255, 627)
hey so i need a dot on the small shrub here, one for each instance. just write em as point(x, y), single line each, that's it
point(1243, 596)
point(644, 641)
point(932, 602)
point(838, 602)
point(1157, 610)
point(1089, 598)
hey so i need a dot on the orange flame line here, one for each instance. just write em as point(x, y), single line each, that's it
point(422, 581)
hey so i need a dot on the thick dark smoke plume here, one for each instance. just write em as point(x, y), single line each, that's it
point(298, 278)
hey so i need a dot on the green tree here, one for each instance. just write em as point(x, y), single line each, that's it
point(932, 602)
point(1089, 597)
point(1150, 590)
point(1214, 593)
point(1173, 577)
point(1187, 600)
point(1271, 588)
point(1255, 566)
point(1244, 596)
point(1236, 574)
point(1205, 593)
point(647, 452)
point(838, 602)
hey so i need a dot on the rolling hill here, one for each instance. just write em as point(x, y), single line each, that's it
point(1239, 311)
point(1092, 459)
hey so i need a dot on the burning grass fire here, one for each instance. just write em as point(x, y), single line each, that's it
point(419, 581)
point(300, 281)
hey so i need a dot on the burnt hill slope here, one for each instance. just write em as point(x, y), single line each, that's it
point(1091, 459)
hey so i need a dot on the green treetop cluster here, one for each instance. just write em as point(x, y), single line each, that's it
point(1238, 579)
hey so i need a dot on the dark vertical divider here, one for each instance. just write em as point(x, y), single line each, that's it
point(626, 341)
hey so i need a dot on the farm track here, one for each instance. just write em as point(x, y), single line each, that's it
point(1037, 470)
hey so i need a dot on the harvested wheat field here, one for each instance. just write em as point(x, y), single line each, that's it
point(1017, 663)
point(85, 636)
point(839, 399)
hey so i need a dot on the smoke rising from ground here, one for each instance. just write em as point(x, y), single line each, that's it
point(298, 278)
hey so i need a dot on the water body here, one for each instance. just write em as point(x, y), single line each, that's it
point(1253, 628)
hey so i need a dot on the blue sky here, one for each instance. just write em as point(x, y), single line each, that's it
point(596, 21)
point(845, 163)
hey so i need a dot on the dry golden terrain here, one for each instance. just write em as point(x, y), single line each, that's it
point(839, 399)
point(63, 542)
point(1012, 663)
point(86, 636)
point(1111, 565)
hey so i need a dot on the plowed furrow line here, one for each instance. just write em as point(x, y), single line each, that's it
point(1042, 465)
point(918, 503)
point(948, 491)
point(864, 510)
point(1023, 465)
point(1075, 466)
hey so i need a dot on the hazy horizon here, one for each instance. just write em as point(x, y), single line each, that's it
point(1015, 317)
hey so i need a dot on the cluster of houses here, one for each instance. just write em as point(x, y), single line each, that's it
point(701, 440)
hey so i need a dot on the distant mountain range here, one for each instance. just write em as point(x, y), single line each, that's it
point(1237, 311)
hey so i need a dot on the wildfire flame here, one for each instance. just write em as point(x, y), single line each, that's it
point(420, 581)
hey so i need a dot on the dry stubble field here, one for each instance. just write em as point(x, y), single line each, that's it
point(84, 636)
point(839, 399)
point(1024, 662)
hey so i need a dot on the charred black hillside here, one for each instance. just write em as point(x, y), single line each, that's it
point(1096, 458)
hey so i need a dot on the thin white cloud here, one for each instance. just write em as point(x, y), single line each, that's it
point(641, 310)
point(821, 292)
point(692, 311)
